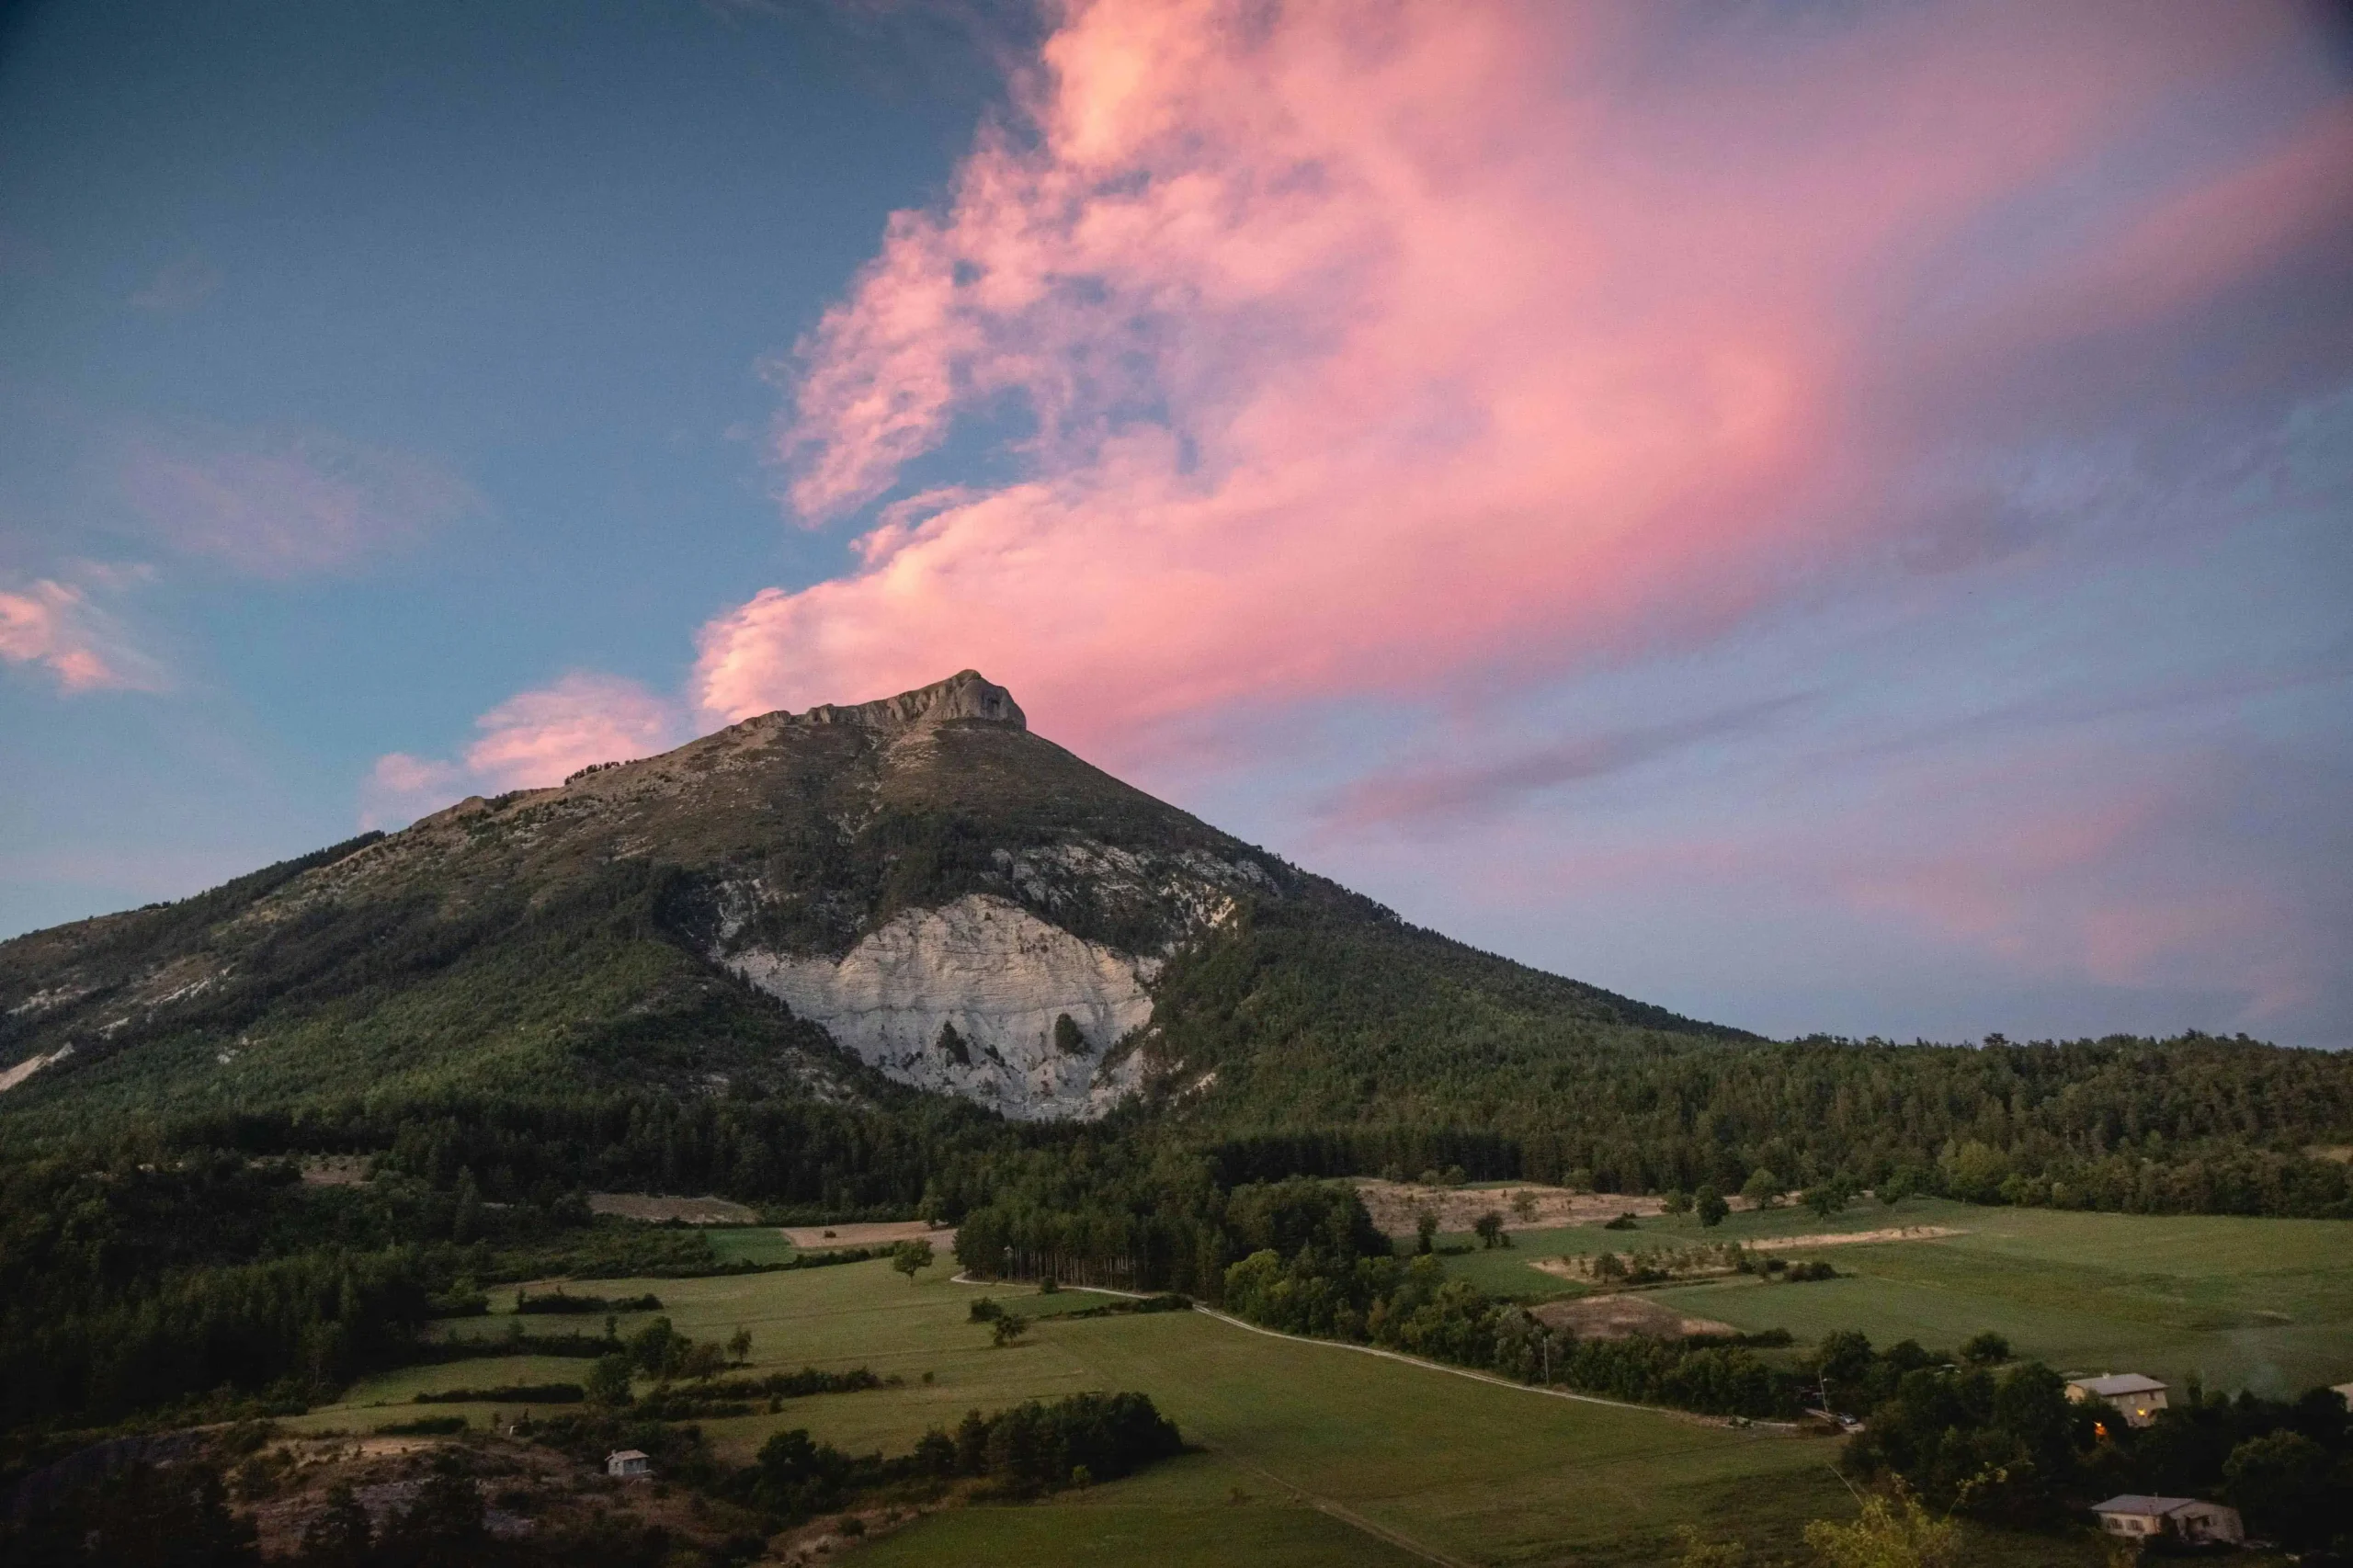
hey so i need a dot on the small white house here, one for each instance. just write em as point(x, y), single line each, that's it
point(2188, 1519)
point(2134, 1397)
point(627, 1464)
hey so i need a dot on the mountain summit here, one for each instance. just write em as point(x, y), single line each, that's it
point(914, 894)
point(967, 694)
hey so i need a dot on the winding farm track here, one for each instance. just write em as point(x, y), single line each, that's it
point(1682, 1415)
point(1686, 1416)
point(1340, 1511)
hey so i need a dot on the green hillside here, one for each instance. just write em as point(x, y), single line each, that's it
point(549, 979)
point(568, 935)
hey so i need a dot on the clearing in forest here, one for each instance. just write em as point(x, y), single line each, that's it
point(686, 1211)
point(829, 1238)
point(1395, 1206)
point(1620, 1315)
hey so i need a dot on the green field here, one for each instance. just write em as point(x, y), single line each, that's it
point(1307, 1435)
point(750, 1243)
point(2266, 1304)
point(1316, 1454)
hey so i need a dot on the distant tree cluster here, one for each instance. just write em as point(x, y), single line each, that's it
point(2007, 1445)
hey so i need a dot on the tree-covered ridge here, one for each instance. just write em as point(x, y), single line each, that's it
point(573, 932)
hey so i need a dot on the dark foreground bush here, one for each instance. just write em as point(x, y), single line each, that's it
point(507, 1393)
point(558, 1302)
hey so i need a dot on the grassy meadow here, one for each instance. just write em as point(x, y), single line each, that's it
point(2266, 1304)
point(1315, 1454)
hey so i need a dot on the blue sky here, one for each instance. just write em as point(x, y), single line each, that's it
point(1825, 518)
point(534, 252)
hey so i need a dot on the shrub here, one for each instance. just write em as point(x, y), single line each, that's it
point(1986, 1349)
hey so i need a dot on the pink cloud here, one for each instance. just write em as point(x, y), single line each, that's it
point(55, 626)
point(282, 505)
point(402, 787)
point(2076, 863)
point(1377, 350)
point(2136, 886)
point(535, 738)
point(531, 739)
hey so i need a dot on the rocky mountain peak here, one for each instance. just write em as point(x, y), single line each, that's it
point(967, 694)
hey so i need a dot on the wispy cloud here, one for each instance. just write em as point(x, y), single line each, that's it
point(401, 787)
point(182, 285)
point(58, 627)
point(1374, 351)
point(533, 739)
point(284, 504)
point(1454, 795)
point(537, 737)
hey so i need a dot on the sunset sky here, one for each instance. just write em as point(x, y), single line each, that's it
point(1824, 516)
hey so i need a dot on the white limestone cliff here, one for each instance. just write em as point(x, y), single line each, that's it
point(998, 977)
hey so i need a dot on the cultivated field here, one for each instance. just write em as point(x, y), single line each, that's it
point(1335, 1455)
point(820, 1238)
point(1396, 1206)
point(1315, 1454)
point(2263, 1303)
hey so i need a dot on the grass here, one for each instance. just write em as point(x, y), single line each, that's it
point(1314, 1455)
point(1210, 1534)
point(749, 1243)
point(2266, 1304)
point(1472, 1472)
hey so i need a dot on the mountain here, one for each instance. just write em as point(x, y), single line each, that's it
point(853, 904)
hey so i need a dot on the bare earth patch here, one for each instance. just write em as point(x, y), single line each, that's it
point(1621, 1316)
point(1677, 1263)
point(687, 1211)
point(821, 1238)
point(1848, 1238)
point(335, 1170)
point(1394, 1205)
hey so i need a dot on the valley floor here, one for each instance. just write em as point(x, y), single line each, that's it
point(1313, 1454)
point(2263, 1304)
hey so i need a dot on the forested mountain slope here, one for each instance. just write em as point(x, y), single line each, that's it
point(840, 906)
point(896, 958)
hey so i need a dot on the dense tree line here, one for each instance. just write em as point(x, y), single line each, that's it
point(164, 1258)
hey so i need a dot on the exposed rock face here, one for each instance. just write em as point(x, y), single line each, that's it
point(966, 998)
point(967, 694)
point(13, 1076)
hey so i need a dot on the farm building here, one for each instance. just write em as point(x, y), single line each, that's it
point(2188, 1519)
point(2136, 1398)
point(627, 1464)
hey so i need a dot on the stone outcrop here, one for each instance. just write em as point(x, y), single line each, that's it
point(967, 694)
point(968, 998)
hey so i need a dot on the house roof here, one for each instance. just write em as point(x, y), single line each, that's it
point(2134, 1503)
point(2118, 1383)
point(625, 1454)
